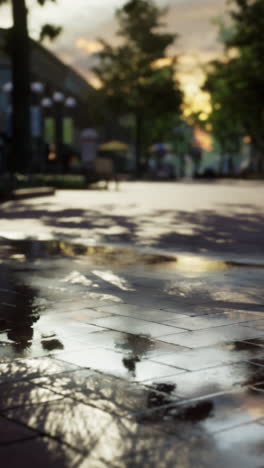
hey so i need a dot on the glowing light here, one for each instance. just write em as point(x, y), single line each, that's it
point(203, 139)
point(52, 156)
point(94, 81)
point(88, 46)
point(163, 62)
point(199, 264)
point(247, 139)
point(203, 116)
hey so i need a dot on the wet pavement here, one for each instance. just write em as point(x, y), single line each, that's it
point(121, 357)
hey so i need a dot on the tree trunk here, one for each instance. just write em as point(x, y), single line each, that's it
point(21, 153)
point(138, 144)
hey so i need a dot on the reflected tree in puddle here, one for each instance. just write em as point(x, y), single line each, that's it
point(136, 347)
point(18, 313)
point(52, 344)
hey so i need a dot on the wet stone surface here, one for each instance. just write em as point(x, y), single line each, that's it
point(118, 358)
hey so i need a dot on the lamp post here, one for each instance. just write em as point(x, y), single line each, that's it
point(48, 130)
point(7, 89)
point(68, 123)
point(70, 104)
point(37, 89)
point(58, 99)
point(58, 126)
point(9, 161)
point(35, 119)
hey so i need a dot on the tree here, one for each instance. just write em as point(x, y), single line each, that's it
point(138, 78)
point(223, 83)
point(236, 83)
point(20, 57)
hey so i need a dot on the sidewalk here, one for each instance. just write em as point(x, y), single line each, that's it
point(126, 356)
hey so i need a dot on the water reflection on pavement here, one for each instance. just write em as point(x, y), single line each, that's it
point(121, 358)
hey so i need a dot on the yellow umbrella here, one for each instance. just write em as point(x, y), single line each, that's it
point(114, 146)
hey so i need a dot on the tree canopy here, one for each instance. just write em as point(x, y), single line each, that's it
point(236, 83)
point(137, 75)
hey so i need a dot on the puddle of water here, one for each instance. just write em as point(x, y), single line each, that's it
point(25, 300)
point(99, 255)
point(193, 264)
point(19, 311)
point(30, 250)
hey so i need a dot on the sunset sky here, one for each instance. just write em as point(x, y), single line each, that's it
point(84, 21)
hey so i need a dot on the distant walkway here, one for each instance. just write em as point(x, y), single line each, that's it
point(225, 218)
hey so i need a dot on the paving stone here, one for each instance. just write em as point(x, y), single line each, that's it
point(200, 338)
point(211, 415)
point(258, 360)
point(117, 364)
point(202, 358)
point(27, 369)
point(213, 320)
point(14, 395)
point(214, 380)
point(13, 432)
point(92, 388)
point(56, 324)
point(76, 424)
point(137, 345)
point(42, 345)
point(259, 386)
point(255, 341)
point(135, 326)
point(258, 324)
point(143, 313)
point(40, 452)
point(138, 445)
point(242, 445)
point(83, 315)
point(202, 402)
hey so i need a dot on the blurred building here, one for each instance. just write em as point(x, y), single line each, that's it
point(52, 73)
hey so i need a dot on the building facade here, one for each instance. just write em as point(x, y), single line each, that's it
point(55, 76)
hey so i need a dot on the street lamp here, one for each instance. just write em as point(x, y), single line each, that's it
point(58, 124)
point(68, 127)
point(7, 87)
point(49, 129)
point(37, 87)
point(46, 102)
point(70, 102)
point(58, 99)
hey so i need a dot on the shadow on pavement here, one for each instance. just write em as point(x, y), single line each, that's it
point(204, 231)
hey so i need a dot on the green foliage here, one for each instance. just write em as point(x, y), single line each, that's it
point(49, 31)
point(236, 84)
point(134, 80)
point(140, 23)
point(61, 181)
point(223, 83)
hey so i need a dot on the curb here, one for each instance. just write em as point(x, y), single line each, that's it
point(21, 194)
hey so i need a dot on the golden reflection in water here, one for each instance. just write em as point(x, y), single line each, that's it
point(198, 264)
